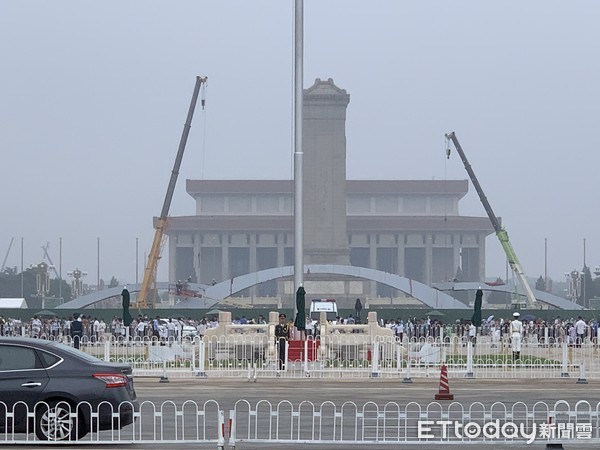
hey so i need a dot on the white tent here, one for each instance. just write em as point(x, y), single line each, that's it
point(12, 303)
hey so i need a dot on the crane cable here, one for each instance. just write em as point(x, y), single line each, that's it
point(204, 115)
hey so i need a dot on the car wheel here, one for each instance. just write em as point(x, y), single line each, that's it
point(54, 422)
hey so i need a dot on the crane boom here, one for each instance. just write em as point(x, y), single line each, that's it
point(154, 255)
point(511, 255)
point(47, 255)
point(7, 253)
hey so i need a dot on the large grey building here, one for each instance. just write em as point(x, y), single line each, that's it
point(411, 228)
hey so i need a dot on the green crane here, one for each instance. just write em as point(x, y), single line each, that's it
point(511, 255)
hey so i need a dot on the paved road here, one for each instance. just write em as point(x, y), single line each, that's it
point(228, 391)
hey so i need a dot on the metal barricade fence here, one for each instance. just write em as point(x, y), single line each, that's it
point(392, 423)
point(350, 355)
point(147, 356)
point(307, 422)
point(166, 422)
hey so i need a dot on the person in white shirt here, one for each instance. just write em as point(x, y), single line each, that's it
point(95, 329)
point(495, 330)
point(101, 330)
point(580, 327)
point(36, 326)
point(516, 332)
point(400, 331)
point(201, 328)
point(141, 329)
point(472, 333)
point(67, 327)
point(171, 327)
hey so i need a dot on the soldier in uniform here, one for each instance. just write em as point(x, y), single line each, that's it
point(76, 330)
point(281, 337)
point(516, 331)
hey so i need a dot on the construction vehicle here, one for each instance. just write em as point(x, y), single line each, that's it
point(149, 281)
point(511, 256)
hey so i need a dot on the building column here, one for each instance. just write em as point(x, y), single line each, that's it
point(372, 290)
point(280, 250)
point(172, 257)
point(400, 262)
point(481, 270)
point(196, 259)
point(225, 257)
point(198, 262)
point(456, 253)
point(428, 258)
point(252, 261)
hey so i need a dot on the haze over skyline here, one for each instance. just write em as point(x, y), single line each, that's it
point(94, 96)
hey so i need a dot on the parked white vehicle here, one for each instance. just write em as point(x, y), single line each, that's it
point(327, 305)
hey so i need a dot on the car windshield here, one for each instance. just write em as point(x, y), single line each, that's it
point(73, 351)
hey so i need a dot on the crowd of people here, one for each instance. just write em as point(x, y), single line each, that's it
point(95, 329)
point(573, 331)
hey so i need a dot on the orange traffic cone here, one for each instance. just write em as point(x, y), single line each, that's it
point(444, 393)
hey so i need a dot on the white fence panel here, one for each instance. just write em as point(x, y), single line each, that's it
point(165, 422)
point(434, 423)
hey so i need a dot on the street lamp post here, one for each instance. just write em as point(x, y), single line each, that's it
point(60, 269)
point(137, 260)
point(584, 267)
point(573, 284)
point(214, 260)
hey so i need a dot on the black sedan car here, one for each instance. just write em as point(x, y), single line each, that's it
point(67, 392)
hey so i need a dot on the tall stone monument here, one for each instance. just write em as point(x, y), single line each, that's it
point(324, 146)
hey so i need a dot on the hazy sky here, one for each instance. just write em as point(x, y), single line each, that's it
point(93, 96)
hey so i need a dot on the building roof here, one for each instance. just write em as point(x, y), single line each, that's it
point(353, 187)
point(325, 93)
point(239, 187)
point(355, 224)
point(444, 187)
point(12, 303)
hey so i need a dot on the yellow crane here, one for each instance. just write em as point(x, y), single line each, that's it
point(149, 281)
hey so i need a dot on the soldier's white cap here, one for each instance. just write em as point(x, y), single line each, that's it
point(516, 314)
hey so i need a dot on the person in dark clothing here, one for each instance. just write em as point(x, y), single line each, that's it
point(156, 329)
point(281, 337)
point(76, 330)
point(358, 309)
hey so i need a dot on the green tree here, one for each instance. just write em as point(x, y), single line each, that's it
point(10, 285)
point(64, 290)
point(113, 282)
point(540, 284)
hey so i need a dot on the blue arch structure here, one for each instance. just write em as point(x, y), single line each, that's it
point(212, 295)
point(541, 296)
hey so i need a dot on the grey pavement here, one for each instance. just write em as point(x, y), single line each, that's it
point(317, 390)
